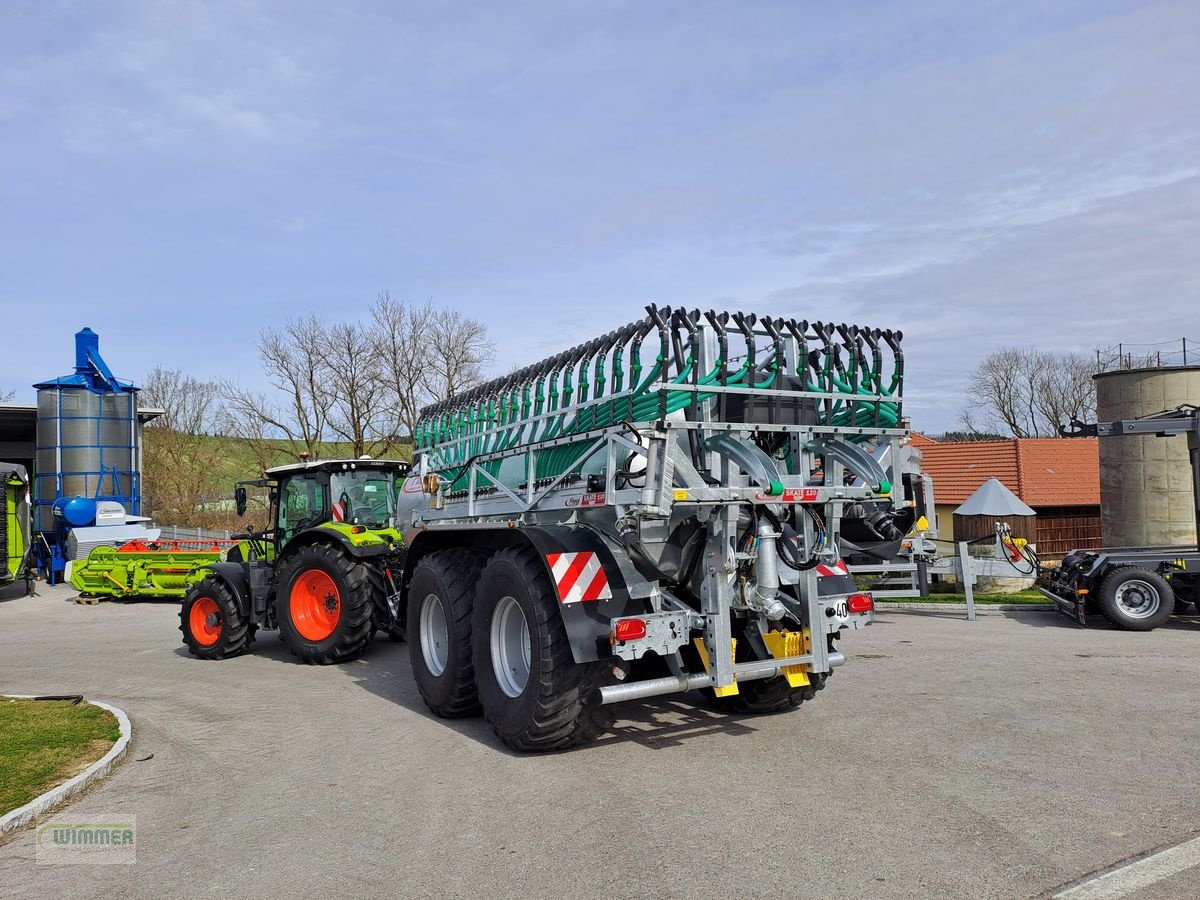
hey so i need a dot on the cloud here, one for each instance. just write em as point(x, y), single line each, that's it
point(973, 174)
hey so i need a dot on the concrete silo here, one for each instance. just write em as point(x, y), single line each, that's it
point(1146, 481)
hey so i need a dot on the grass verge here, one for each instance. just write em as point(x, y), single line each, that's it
point(46, 742)
point(1020, 597)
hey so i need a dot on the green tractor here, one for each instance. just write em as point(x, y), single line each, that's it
point(326, 572)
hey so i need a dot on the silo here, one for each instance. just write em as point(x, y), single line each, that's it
point(87, 436)
point(1145, 481)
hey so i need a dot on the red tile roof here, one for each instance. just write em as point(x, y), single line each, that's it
point(920, 441)
point(1041, 471)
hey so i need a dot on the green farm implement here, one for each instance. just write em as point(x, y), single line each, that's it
point(149, 570)
point(14, 525)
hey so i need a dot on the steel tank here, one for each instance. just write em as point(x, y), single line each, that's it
point(87, 436)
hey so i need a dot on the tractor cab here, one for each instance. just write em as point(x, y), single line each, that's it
point(350, 497)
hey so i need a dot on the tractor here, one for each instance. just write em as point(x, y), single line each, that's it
point(326, 571)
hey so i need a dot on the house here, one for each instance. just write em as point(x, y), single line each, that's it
point(1058, 477)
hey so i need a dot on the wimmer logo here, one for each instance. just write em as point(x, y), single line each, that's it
point(97, 840)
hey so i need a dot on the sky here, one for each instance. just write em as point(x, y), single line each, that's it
point(179, 175)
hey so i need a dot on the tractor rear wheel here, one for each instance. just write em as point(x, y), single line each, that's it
point(533, 693)
point(438, 630)
point(324, 604)
point(213, 627)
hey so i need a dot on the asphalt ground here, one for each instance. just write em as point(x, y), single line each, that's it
point(1006, 757)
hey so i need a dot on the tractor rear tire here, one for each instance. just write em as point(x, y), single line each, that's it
point(1136, 599)
point(325, 604)
point(438, 629)
point(213, 627)
point(533, 693)
point(765, 696)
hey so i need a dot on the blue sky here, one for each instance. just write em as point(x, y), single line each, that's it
point(177, 175)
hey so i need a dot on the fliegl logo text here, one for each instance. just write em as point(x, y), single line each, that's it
point(95, 840)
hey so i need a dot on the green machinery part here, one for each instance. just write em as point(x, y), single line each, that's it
point(14, 522)
point(111, 572)
point(651, 369)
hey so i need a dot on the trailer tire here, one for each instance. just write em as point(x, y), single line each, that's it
point(438, 628)
point(325, 604)
point(1136, 599)
point(533, 693)
point(212, 624)
point(765, 696)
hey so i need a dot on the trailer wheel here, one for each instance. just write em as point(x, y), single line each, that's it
point(213, 627)
point(533, 693)
point(769, 695)
point(325, 604)
point(1136, 599)
point(440, 597)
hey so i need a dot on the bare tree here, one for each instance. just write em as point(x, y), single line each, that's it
point(179, 483)
point(1026, 392)
point(360, 413)
point(294, 360)
point(7, 396)
point(399, 334)
point(459, 350)
point(427, 354)
point(359, 386)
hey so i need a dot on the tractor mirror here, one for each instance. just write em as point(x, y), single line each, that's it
point(239, 496)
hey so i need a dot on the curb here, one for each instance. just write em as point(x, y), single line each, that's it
point(100, 769)
point(980, 608)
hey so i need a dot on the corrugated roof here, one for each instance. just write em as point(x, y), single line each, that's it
point(1041, 471)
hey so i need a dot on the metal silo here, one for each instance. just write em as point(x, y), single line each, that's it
point(1146, 481)
point(87, 439)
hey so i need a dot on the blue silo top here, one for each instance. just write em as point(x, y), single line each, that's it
point(91, 371)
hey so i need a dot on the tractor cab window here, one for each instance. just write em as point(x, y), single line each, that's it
point(364, 497)
point(301, 505)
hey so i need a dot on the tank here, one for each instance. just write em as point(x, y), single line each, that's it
point(1145, 481)
point(87, 436)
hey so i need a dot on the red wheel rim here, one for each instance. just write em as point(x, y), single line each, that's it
point(205, 621)
point(315, 605)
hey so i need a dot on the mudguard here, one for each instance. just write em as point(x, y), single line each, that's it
point(236, 578)
point(591, 586)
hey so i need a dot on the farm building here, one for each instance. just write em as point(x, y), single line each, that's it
point(1058, 477)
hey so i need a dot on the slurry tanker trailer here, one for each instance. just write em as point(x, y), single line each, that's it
point(654, 511)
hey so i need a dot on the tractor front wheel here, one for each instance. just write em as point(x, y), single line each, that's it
point(213, 627)
point(324, 604)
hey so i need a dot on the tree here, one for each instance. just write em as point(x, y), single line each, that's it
point(459, 350)
point(360, 385)
point(401, 347)
point(427, 354)
point(1026, 392)
point(294, 361)
point(178, 481)
point(7, 396)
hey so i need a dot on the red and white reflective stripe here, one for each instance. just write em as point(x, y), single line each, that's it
point(578, 577)
point(339, 512)
point(839, 569)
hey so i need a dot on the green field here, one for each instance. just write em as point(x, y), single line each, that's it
point(46, 742)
